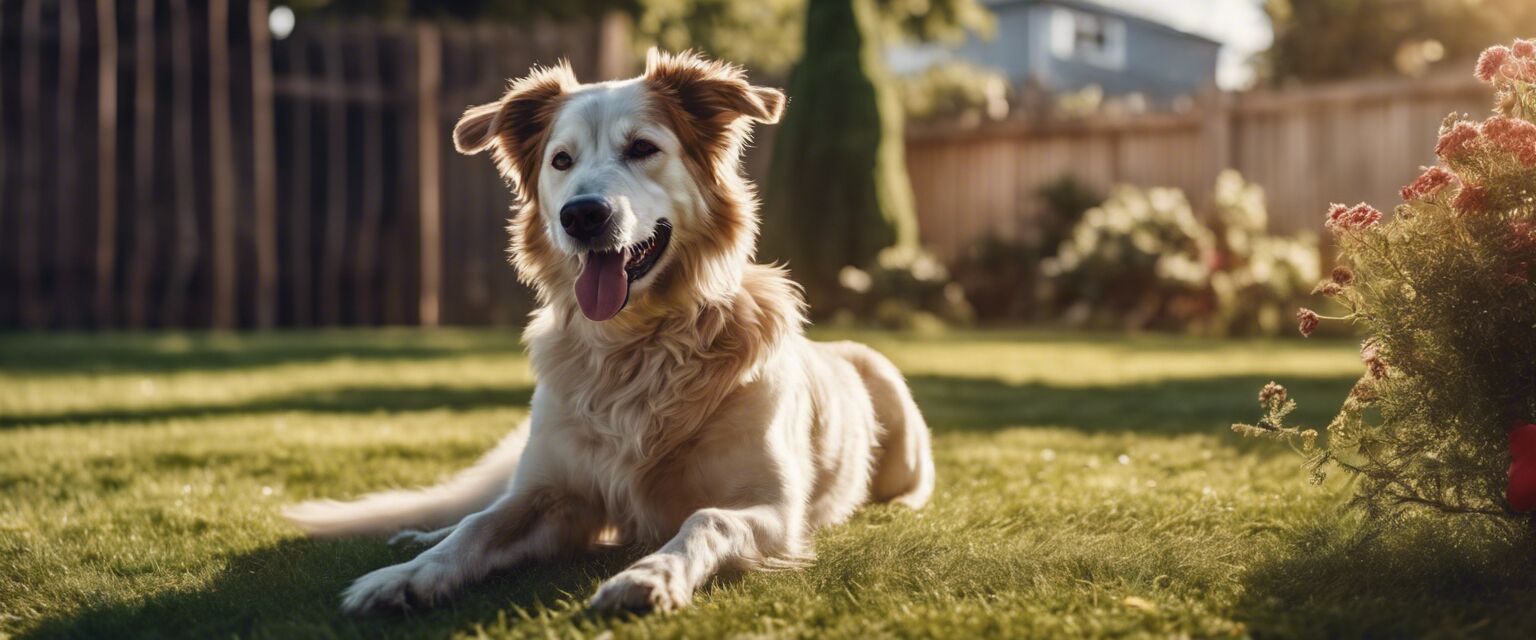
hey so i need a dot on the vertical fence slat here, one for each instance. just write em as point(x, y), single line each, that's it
point(336, 182)
point(263, 173)
point(66, 259)
point(144, 232)
point(366, 232)
point(299, 243)
point(5, 176)
point(106, 160)
point(183, 162)
point(28, 229)
point(220, 143)
point(429, 66)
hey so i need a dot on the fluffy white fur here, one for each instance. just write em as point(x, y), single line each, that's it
point(698, 422)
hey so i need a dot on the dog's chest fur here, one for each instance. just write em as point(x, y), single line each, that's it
point(637, 404)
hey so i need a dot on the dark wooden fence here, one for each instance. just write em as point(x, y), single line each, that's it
point(166, 163)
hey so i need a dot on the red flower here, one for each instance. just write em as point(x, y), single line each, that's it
point(1272, 393)
point(1345, 218)
point(1524, 48)
point(1513, 135)
point(1472, 199)
point(1458, 141)
point(1307, 321)
point(1430, 183)
point(1343, 276)
point(1521, 490)
point(1490, 62)
point(1370, 354)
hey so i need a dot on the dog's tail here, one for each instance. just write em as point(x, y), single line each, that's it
point(387, 512)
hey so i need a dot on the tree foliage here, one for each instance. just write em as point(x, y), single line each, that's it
point(1331, 39)
point(838, 191)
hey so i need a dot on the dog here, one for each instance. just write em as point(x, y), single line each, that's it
point(679, 405)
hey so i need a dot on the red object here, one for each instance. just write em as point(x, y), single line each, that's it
point(1521, 491)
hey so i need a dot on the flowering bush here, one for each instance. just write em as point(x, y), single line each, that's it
point(1443, 290)
point(903, 289)
point(1144, 260)
point(1001, 275)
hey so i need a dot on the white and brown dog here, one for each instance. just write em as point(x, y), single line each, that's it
point(679, 404)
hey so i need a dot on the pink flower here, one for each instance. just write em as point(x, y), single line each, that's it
point(1524, 49)
point(1343, 276)
point(1522, 237)
point(1328, 288)
point(1307, 321)
point(1491, 62)
point(1430, 183)
point(1345, 218)
point(1472, 199)
point(1272, 394)
point(1370, 354)
point(1514, 136)
point(1458, 141)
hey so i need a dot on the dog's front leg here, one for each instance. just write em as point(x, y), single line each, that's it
point(709, 541)
point(523, 525)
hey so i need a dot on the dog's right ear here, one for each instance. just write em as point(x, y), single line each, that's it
point(515, 126)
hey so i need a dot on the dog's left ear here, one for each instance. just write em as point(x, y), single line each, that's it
point(711, 92)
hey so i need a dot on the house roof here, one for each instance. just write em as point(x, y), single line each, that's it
point(1094, 7)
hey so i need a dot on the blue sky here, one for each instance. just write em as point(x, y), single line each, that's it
point(1240, 25)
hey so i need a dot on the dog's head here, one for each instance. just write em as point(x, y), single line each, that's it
point(631, 191)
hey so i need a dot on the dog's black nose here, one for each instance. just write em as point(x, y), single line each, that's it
point(586, 217)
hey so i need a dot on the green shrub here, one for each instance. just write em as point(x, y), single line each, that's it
point(905, 289)
point(1144, 260)
point(1444, 294)
point(1000, 275)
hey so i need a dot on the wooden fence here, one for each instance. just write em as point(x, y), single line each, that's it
point(166, 163)
point(1358, 141)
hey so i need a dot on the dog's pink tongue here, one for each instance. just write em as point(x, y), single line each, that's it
point(603, 287)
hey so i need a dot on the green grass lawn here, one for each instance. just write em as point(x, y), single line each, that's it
point(1088, 486)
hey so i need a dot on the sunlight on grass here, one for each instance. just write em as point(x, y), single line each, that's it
point(1088, 486)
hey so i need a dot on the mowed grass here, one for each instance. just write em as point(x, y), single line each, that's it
point(1089, 486)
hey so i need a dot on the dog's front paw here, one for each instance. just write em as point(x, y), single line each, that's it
point(412, 537)
point(416, 583)
point(655, 583)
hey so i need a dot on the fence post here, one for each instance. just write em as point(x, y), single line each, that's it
point(264, 181)
point(142, 260)
point(183, 162)
point(29, 231)
point(67, 285)
point(428, 83)
point(106, 158)
point(220, 146)
point(1216, 132)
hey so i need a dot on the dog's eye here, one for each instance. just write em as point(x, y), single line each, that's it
point(641, 148)
point(561, 162)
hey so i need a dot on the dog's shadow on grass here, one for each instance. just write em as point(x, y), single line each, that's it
point(292, 589)
point(1417, 579)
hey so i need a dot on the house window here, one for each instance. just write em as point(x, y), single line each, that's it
point(1088, 37)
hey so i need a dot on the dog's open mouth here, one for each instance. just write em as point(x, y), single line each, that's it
point(602, 289)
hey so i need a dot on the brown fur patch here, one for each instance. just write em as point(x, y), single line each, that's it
point(516, 128)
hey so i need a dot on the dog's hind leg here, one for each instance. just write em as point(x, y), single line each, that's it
point(903, 460)
point(425, 509)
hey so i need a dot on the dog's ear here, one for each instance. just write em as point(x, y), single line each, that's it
point(712, 93)
point(515, 126)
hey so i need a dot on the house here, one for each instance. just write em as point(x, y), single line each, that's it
point(1068, 45)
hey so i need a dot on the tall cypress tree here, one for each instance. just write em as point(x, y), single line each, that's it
point(837, 190)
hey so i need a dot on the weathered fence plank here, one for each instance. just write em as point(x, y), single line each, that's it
point(263, 169)
point(1352, 141)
